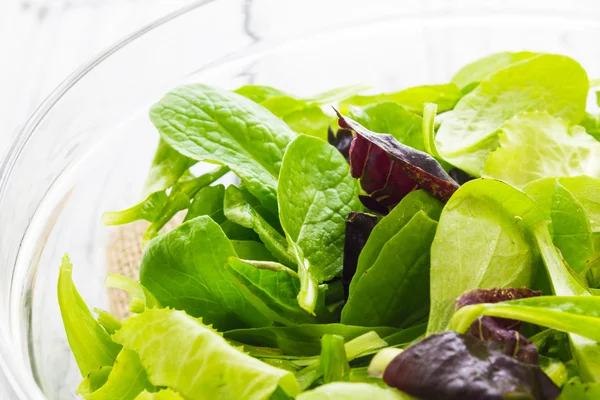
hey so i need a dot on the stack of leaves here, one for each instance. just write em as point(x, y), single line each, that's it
point(460, 222)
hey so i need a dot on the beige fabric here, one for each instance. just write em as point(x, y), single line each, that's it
point(123, 256)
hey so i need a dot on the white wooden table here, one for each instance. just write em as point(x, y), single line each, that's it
point(43, 41)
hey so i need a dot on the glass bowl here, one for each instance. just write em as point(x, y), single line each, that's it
point(87, 148)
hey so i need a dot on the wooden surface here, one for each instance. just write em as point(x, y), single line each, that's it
point(43, 41)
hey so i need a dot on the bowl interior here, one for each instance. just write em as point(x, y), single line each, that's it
point(107, 165)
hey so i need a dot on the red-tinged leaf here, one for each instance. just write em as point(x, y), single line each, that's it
point(501, 330)
point(389, 170)
point(358, 229)
point(341, 141)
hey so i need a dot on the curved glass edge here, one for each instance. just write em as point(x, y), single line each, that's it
point(16, 381)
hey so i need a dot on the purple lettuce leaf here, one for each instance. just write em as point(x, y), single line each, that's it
point(341, 141)
point(501, 330)
point(461, 367)
point(389, 170)
point(358, 229)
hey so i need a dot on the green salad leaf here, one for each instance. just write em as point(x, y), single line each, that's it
point(184, 269)
point(412, 99)
point(353, 390)
point(477, 71)
point(206, 366)
point(481, 242)
point(544, 82)
point(537, 145)
point(125, 380)
point(167, 167)
point(205, 123)
point(238, 210)
point(163, 394)
point(315, 194)
point(91, 345)
point(394, 291)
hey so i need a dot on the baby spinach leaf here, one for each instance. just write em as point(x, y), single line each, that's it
point(341, 140)
point(358, 229)
point(272, 288)
point(544, 82)
point(305, 339)
point(184, 269)
point(481, 242)
point(180, 197)
point(167, 167)
point(481, 69)
point(353, 391)
point(205, 123)
point(570, 226)
point(389, 170)
point(182, 353)
point(333, 362)
point(315, 194)
point(163, 394)
point(208, 201)
point(394, 291)
point(259, 93)
point(126, 379)
point(252, 250)
point(537, 145)
point(90, 344)
point(238, 209)
point(452, 366)
point(391, 118)
point(412, 99)
point(391, 224)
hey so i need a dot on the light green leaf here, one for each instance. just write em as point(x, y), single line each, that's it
point(205, 123)
point(586, 351)
point(577, 390)
point(591, 124)
point(182, 353)
point(148, 209)
point(164, 394)
point(391, 118)
point(125, 380)
point(180, 197)
point(167, 167)
point(394, 291)
point(538, 145)
point(305, 340)
point(259, 93)
point(544, 82)
point(184, 269)
point(238, 210)
point(575, 314)
point(413, 99)
point(252, 250)
point(479, 70)
point(139, 297)
point(570, 226)
point(391, 224)
point(90, 344)
point(353, 391)
point(333, 361)
point(481, 242)
point(316, 193)
point(272, 288)
point(208, 201)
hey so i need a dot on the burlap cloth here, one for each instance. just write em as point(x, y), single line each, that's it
point(123, 256)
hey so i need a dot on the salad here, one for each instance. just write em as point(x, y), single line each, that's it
point(440, 242)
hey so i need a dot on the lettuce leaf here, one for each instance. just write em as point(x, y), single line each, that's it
point(182, 353)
